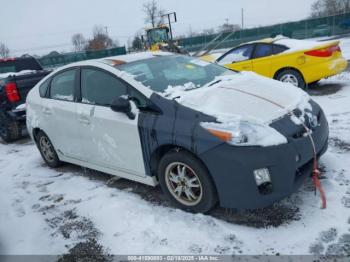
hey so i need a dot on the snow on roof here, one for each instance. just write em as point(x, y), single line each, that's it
point(294, 45)
point(133, 57)
point(23, 72)
point(299, 45)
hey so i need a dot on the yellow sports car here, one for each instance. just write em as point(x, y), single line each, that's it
point(298, 62)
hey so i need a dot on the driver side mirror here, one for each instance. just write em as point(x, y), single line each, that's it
point(122, 105)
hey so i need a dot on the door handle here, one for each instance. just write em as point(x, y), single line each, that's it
point(84, 119)
point(247, 67)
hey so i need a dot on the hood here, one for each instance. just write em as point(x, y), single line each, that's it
point(245, 95)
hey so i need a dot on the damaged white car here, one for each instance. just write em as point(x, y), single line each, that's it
point(206, 134)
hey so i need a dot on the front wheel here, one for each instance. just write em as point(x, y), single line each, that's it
point(186, 182)
point(291, 76)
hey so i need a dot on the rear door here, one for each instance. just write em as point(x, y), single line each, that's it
point(59, 113)
point(262, 59)
point(109, 139)
point(238, 58)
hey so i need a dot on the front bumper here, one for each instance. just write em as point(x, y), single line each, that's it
point(289, 165)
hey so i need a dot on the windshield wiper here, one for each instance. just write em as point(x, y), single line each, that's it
point(215, 82)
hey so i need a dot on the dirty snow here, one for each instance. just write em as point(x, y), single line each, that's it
point(47, 211)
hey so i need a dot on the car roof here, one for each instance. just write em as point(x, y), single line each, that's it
point(123, 59)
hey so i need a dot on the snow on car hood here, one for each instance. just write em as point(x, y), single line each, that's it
point(245, 95)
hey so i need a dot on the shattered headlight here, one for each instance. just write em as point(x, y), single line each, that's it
point(245, 133)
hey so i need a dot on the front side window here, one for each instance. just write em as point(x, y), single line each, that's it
point(100, 88)
point(263, 50)
point(63, 85)
point(238, 54)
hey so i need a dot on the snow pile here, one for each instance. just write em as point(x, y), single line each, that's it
point(244, 102)
point(240, 94)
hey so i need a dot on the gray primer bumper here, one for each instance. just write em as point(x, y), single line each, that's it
point(232, 168)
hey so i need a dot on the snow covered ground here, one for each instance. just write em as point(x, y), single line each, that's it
point(46, 211)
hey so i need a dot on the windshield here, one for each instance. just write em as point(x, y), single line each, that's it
point(162, 72)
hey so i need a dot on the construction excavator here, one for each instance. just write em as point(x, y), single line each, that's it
point(160, 39)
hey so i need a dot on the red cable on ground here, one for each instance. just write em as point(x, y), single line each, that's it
point(315, 171)
point(317, 183)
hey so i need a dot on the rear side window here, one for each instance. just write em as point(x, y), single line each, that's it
point(263, 50)
point(43, 88)
point(277, 49)
point(100, 88)
point(63, 85)
point(238, 54)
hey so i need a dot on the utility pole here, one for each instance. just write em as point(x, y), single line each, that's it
point(106, 28)
point(169, 22)
point(242, 18)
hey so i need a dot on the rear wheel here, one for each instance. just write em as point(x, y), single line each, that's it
point(291, 76)
point(9, 130)
point(186, 182)
point(47, 150)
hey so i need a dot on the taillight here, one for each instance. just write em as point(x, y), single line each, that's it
point(324, 52)
point(12, 92)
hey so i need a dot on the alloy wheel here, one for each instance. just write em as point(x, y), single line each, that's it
point(47, 149)
point(183, 184)
point(289, 78)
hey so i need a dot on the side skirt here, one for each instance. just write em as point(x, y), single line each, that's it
point(147, 180)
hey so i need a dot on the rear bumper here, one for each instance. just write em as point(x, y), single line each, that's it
point(325, 69)
point(232, 169)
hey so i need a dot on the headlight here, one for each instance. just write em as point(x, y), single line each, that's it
point(245, 133)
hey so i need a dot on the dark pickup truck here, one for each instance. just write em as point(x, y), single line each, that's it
point(17, 77)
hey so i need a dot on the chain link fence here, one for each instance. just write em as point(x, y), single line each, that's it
point(309, 28)
point(55, 59)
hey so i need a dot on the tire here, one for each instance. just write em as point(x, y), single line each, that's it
point(198, 193)
point(47, 151)
point(9, 130)
point(291, 76)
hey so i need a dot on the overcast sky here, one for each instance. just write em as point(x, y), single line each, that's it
point(38, 26)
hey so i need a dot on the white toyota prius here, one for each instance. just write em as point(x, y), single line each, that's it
point(208, 135)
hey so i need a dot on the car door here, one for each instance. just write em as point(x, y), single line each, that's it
point(59, 113)
point(109, 139)
point(262, 59)
point(238, 58)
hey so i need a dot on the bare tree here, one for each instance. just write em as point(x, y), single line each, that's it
point(322, 8)
point(153, 13)
point(79, 42)
point(4, 51)
point(101, 39)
